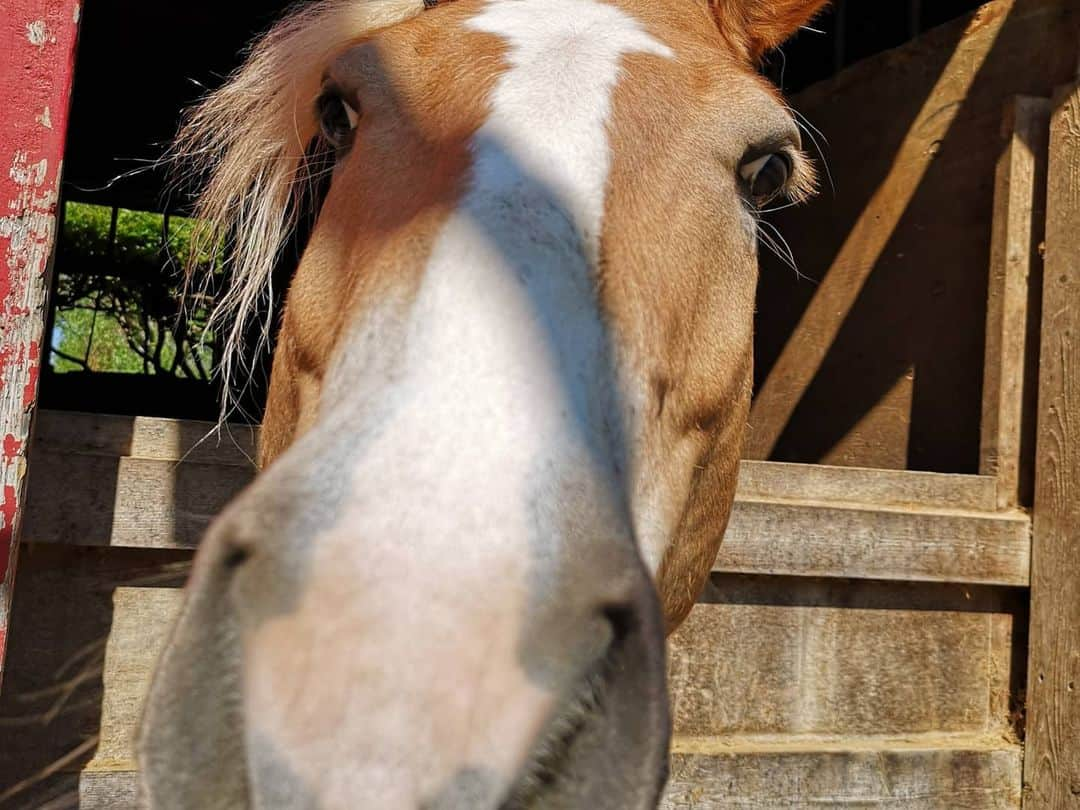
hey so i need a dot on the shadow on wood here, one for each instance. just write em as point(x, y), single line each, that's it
point(880, 363)
point(54, 711)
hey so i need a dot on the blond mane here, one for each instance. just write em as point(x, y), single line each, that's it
point(245, 144)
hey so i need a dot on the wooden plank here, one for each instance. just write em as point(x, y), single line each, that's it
point(192, 441)
point(1052, 766)
point(97, 500)
point(821, 482)
point(109, 790)
point(145, 437)
point(825, 658)
point(118, 481)
point(973, 774)
point(878, 362)
point(91, 500)
point(867, 542)
point(1011, 358)
point(37, 50)
point(931, 774)
point(844, 659)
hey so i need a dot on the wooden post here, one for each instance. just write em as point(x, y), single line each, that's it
point(37, 51)
point(1052, 759)
point(1011, 324)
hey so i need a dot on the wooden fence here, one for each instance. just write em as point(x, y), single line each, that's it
point(856, 642)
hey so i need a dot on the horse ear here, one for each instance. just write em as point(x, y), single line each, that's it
point(761, 25)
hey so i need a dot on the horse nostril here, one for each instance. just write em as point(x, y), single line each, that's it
point(623, 619)
point(236, 556)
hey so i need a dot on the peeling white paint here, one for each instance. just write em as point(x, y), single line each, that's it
point(38, 33)
point(25, 241)
point(45, 119)
point(28, 229)
point(28, 174)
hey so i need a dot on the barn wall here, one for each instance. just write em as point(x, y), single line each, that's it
point(879, 663)
point(876, 357)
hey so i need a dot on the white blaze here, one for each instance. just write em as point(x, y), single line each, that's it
point(549, 111)
point(487, 405)
point(504, 353)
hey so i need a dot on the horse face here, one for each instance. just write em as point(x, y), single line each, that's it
point(506, 407)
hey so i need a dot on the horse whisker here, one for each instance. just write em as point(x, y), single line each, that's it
point(776, 242)
point(54, 767)
point(42, 719)
point(62, 802)
point(813, 133)
point(61, 688)
point(91, 647)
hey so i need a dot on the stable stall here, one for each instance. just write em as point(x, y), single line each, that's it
point(894, 618)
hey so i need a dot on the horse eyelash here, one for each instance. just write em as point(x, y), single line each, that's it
point(802, 184)
point(803, 181)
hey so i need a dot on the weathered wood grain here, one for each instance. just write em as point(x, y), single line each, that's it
point(834, 658)
point(826, 656)
point(869, 542)
point(930, 774)
point(92, 500)
point(959, 773)
point(37, 53)
point(109, 790)
point(879, 364)
point(788, 519)
point(972, 774)
point(1052, 766)
point(63, 432)
point(1011, 359)
point(821, 482)
point(74, 433)
point(145, 503)
point(843, 659)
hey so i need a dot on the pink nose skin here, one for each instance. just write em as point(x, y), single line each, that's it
point(383, 659)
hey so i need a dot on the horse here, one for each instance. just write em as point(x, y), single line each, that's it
point(507, 402)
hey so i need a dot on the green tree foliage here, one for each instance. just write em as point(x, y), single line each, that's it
point(119, 295)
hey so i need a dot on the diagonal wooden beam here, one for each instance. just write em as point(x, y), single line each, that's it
point(843, 281)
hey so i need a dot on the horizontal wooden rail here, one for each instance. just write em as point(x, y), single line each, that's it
point(819, 539)
point(919, 774)
point(138, 482)
point(910, 775)
point(785, 693)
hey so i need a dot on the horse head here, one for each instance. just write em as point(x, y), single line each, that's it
point(507, 403)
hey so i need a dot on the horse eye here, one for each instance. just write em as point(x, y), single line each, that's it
point(337, 119)
point(766, 177)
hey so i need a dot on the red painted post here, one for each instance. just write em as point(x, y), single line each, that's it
point(37, 61)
